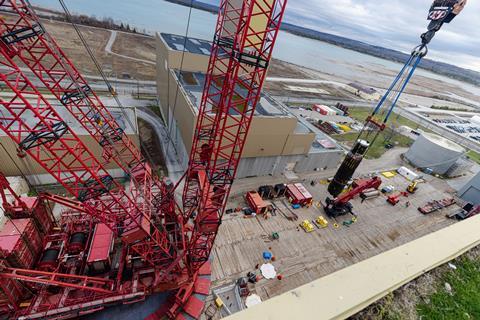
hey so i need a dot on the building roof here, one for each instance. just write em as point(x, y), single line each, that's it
point(191, 45)
point(318, 147)
point(443, 142)
point(300, 112)
point(476, 119)
point(118, 114)
point(193, 84)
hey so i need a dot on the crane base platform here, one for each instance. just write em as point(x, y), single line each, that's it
point(334, 210)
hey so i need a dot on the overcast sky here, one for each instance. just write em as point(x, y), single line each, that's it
point(395, 24)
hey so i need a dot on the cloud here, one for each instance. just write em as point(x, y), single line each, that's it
point(395, 24)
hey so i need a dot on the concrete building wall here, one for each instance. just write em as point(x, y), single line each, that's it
point(168, 59)
point(276, 166)
point(298, 143)
point(319, 161)
point(268, 136)
point(272, 146)
point(162, 75)
point(471, 191)
point(12, 165)
point(181, 111)
point(191, 62)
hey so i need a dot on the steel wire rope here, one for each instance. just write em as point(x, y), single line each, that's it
point(100, 70)
point(180, 73)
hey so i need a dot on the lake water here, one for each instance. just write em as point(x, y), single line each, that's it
point(162, 16)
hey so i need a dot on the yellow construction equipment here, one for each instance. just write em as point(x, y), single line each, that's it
point(413, 187)
point(345, 128)
point(219, 302)
point(307, 226)
point(389, 174)
point(322, 222)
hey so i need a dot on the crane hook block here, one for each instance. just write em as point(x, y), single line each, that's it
point(445, 11)
point(441, 11)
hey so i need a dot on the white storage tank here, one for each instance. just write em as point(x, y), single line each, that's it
point(434, 152)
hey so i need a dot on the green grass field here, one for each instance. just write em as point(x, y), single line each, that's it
point(475, 156)
point(395, 120)
point(464, 300)
point(378, 148)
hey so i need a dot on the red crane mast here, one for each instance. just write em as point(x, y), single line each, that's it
point(26, 39)
point(166, 244)
point(34, 125)
point(241, 51)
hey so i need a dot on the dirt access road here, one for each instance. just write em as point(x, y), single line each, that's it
point(116, 61)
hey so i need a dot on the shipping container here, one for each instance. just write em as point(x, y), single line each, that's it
point(324, 110)
point(20, 243)
point(256, 203)
point(307, 196)
point(294, 195)
point(98, 258)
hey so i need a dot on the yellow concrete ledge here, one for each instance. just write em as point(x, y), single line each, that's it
point(344, 293)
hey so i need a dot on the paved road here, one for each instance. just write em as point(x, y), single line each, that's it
point(333, 101)
point(111, 41)
point(390, 160)
point(123, 86)
point(308, 81)
point(398, 110)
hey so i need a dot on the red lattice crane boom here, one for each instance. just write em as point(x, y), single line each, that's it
point(39, 131)
point(25, 38)
point(241, 51)
point(164, 243)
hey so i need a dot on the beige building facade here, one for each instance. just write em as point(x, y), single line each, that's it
point(275, 133)
point(13, 165)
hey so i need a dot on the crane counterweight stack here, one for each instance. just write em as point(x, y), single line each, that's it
point(118, 244)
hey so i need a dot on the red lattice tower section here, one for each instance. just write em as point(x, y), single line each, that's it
point(171, 257)
point(39, 131)
point(26, 39)
point(241, 51)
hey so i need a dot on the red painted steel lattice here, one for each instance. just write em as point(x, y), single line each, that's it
point(241, 50)
point(163, 243)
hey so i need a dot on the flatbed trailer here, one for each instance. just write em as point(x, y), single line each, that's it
point(436, 205)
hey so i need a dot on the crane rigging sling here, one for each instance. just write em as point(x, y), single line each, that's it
point(441, 11)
